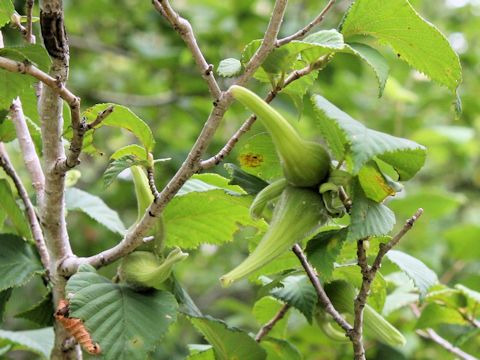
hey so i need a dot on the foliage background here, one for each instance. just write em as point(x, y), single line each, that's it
point(123, 52)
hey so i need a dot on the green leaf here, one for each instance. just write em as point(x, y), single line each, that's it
point(414, 39)
point(210, 217)
point(126, 324)
point(278, 349)
point(11, 208)
point(374, 59)
point(41, 313)
point(33, 53)
point(228, 342)
point(469, 293)
point(133, 150)
point(250, 183)
point(373, 183)
point(38, 341)
point(298, 292)
point(463, 241)
point(339, 130)
point(323, 249)
point(265, 309)
point(434, 314)
point(208, 182)
point(121, 117)
point(368, 218)
point(416, 270)
point(6, 11)
point(207, 354)
point(18, 263)
point(229, 67)
point(259, 157)
point(7, 131)
point(11, 86)
point(4, 297)
point(115, 167)
point(94, 207)
point(324, 41)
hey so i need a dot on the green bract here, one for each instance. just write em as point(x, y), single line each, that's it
point(268, 194)
point(297, 215)
point(304, 163)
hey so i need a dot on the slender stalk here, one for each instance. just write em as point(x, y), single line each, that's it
point(265, 329)
point(29, 209)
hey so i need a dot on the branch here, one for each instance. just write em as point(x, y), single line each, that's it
point(368, 275)
point(29, 209)
point(322, 296)
point(102, 115)
point(184, 29)
point(271, 323)
point(189, 167)
point(29, 36)
point(300, 34)
point(151, 183)
point(32, 162)
point(433, 335)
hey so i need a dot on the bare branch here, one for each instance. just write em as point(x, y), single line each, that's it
point(434, 336)
point(102, 115)
point(29, 209)
point(322, 296)
point(184, 29)
point(300, 34)
point(29, 35)
point(151, 183)
point(271, 323)
point(32, 162)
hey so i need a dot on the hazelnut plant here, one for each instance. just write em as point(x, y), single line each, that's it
point(322, 226)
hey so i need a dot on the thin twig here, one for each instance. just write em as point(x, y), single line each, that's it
point(30, 156)
point(184, 29)
point(29, 35)
point(265, 329)
point(102, 115)
point(322, 296)
point(189, 167)
point(300, 34)
point(151, 183)
point(444, 343)
point(29, 209)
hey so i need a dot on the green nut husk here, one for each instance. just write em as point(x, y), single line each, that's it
point(297, 215)
point(269, 193)
point(304, 163)
point(143, 269)
point(342, 295)
point(144, 200)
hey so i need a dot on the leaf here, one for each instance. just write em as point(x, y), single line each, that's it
point(209, 217)
point(11, 208)
point(219, 182)
point(11, 86)
point(469, 293)
point(228, 343)
point(250, 183)
point(259, 157)
point(4, 297)
point(373, 183)
point(368, 218)
point(33, 53)
point(18, 263)
point(322, 251)
point(115, 167)
point(126, 324)
point(207, 354)
point(324, 41)
point(134, 150)
point(416, 270)
point(7, 131)
point(298, 292)
point(229, 67)
point(6, 11)
point(414, 39)
point(121, 117)
point(374, 59)
point(41, 313)
point(434, 314)
point(339, 130)
point(278, 349)
point(94, 207)
point(265, 309)
point(38, 341)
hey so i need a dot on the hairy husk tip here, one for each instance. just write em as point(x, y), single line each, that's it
point(304, 163)
point(297, 215)
point(342, 295)
point(144, 269)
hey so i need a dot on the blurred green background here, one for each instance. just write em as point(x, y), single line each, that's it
point(123, 51)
